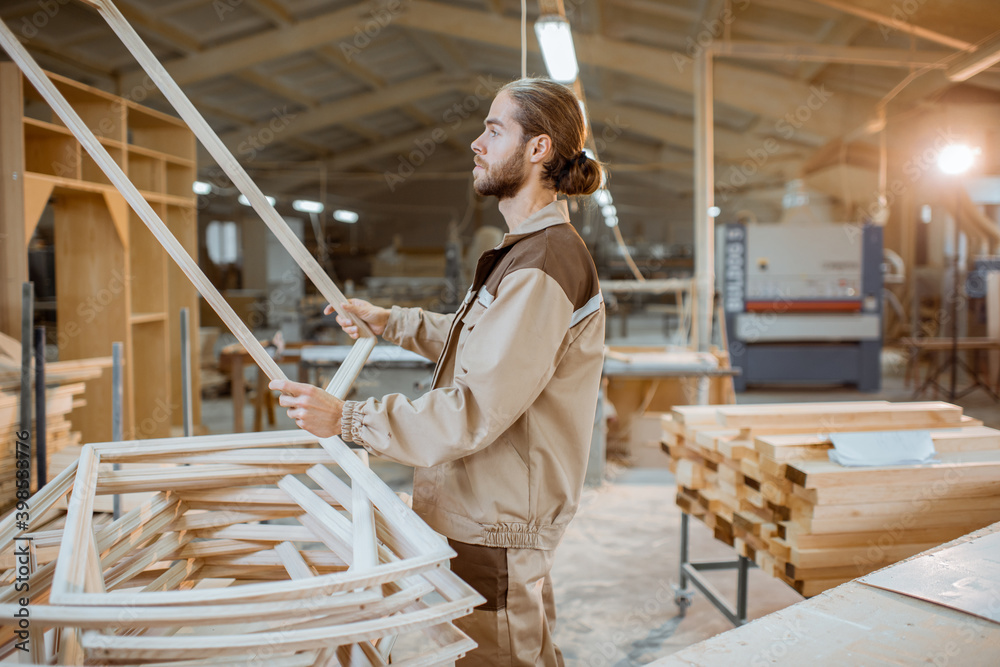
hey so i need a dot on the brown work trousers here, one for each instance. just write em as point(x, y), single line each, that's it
point(514, 626)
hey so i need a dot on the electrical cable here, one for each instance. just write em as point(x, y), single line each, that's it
point(524, 39)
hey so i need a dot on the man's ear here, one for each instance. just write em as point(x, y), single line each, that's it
point(541, 148)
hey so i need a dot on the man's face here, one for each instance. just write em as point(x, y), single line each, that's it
point(501, 168)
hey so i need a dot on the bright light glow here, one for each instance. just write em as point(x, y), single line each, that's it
point(590, 153)
point(609, 210)
point(714, 211)
point(556, 41)
point(343, 215)
point(602, 197)
point(611, 220)
point(222, 241)
point(307, 206)
point(201, 188)
point(956, 158)
point(246, 202)
point(926, 214)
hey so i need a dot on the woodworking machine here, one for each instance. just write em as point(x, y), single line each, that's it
point(802, 302)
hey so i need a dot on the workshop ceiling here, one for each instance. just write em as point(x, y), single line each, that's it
point(331, 96)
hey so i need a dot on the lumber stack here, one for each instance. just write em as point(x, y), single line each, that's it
point(65, 387)
point(59, 402)
point(252, 549)
point(760, 477)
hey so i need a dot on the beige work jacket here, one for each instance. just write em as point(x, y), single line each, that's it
point(500, 443)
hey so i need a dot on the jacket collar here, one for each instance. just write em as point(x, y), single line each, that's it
point(555, 213)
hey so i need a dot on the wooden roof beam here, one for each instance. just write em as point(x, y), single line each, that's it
point(896, 24)
point(261, 47)
point(832, 53)
point(756, 91)
point(401, 144)
point(841, 32)
point(760, 92)
point(981, 59)
point(346, 110)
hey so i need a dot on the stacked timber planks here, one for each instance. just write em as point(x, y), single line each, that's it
point(760, 477)
point(65, 387)
point(59, 402)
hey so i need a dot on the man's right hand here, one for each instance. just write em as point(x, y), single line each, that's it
point(375, 317)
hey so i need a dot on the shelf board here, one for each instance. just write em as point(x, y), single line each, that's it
point(159, 155)
point(65, 131)
point(169, 200)
point(73, 183)
point(45, 125)
point(146, 318)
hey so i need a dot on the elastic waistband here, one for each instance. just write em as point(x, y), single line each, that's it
point(506, 535)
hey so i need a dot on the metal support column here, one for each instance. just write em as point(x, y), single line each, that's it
point(27, 321)
point(186, 398)
point(117, 406)
point(41, 455)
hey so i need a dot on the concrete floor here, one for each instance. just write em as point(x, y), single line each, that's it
point(615, 570)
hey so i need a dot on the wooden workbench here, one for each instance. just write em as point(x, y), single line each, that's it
point(856, 624)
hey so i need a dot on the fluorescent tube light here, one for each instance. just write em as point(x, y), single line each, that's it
point(246, 202)
point(342, 215)
point(556, 41)
point(307, 206)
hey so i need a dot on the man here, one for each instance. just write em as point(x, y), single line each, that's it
point(500, 443)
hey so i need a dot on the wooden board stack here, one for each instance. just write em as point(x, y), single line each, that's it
point(59, 402)
point(232, 559)
point(65, 386)
point(760, 477)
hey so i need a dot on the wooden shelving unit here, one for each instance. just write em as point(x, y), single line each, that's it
point(114, 281)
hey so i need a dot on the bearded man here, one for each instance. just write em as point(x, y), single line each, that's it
point(500, 443)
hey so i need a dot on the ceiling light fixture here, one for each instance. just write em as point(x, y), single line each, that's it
point(555, 38)
point(201, 188)
point(343, 215)
point(246, 202)
point(307, 206)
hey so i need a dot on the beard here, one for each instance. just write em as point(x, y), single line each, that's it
point(503, 180)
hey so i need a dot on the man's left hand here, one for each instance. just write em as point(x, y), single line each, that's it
point(310, 407)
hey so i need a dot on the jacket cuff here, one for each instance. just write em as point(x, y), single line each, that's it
point(392, 333)
point(350, 422)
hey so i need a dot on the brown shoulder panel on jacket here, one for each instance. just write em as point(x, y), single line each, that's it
point(483, 568)
point(561, 253)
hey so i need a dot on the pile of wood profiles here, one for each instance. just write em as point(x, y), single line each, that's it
point(251, 549)
point(760, 477)
point(65, 386)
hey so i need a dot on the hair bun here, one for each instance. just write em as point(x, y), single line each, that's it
point(580, 175)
